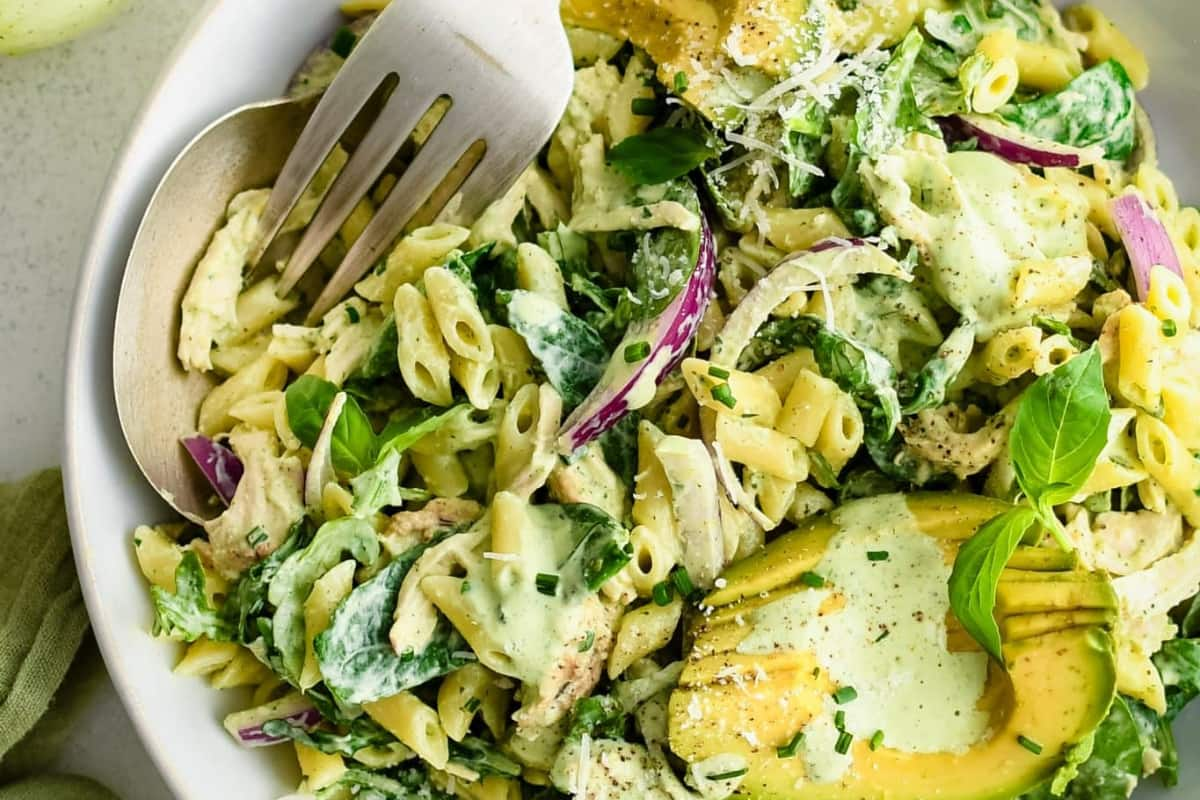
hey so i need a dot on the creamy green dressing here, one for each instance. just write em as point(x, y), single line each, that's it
point(977, 218)
point(909, 686)
point(530, 628)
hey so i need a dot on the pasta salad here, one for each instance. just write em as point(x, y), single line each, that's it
point(815, 418)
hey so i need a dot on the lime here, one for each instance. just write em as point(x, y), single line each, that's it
point(27, 25)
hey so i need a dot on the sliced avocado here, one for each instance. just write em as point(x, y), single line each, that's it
point(1054, 689)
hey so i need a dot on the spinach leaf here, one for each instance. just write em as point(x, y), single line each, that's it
point(571, 353)
point(185, 614)
point(1097, 108)
point(619, 445)
point(410, 783)
point(887, 108)
point(1115, 761)
point(1179, 665)
point(928, 388)
point(1060, 429)
point(977, 568)
point(307, 401)
point(346, 744)
point(483, 757)
point(381, 360)
point(248, 599)
point(804, 139)
point(600, 717)
point(463, 265)
point(355, 655)
point(294, 580)
point(663, 262)
point(602, 550)
point(661, 154)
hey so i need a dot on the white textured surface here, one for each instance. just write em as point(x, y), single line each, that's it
point(66, 111)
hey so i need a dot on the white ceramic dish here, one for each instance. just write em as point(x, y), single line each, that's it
point(237, 52)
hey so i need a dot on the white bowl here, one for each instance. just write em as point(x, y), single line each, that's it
point(239, 52)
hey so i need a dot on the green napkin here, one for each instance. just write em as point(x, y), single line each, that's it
point(43, 627)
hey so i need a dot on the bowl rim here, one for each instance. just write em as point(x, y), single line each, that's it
point(118, 199)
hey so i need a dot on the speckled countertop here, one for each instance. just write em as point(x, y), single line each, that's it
point(65, 113)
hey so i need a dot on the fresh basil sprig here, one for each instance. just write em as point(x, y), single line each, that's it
point(354, 446)
point(1060, 430)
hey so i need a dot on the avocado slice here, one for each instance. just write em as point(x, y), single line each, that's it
point(1055, 687)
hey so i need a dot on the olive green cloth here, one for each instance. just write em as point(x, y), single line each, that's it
point(43, 628)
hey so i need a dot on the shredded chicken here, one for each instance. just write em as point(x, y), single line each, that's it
point(407, 529)
point(952, 438)
point(576, 672)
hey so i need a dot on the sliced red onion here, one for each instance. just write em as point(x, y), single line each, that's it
point(220, 464)
point(246, 725)
point(1013, 144)
point(624, 387)
point(1146, 240)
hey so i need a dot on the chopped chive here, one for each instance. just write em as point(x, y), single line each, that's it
point(472, 705)
point(839, 720)
point(352, 315)
point(683, 582)
point(723, 395)
point(636, 352)
point(724, 776)
point(877, 555)
point(662, 593)
point(547, 583)
point(843, 743)
point(644, 106)
point(587, 642)
point(465, 587)
point(256, 537)
point(882, 636)
point(844, 695)
point(1169, 328)
point(790, 749)
point(816, 673)
point(681, 82)
point(717, 372)
point(343, 42)
point(876, 740)
point(812, 579)
point(1029, 744)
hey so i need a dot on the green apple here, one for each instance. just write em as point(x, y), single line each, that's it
point(27, 25)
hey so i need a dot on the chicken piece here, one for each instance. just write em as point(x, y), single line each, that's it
point(589, 479)
point(268, 501)
point(950, 437)
point(575, 672)
point(407, 529)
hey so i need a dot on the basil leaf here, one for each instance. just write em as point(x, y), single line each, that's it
point(661, 154)
point(1060, 430)
point(353, 443)
point(977, 568)
point(307, 401)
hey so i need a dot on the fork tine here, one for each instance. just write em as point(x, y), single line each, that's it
point(419, 181)
point(346, 96)
point(394, 125)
